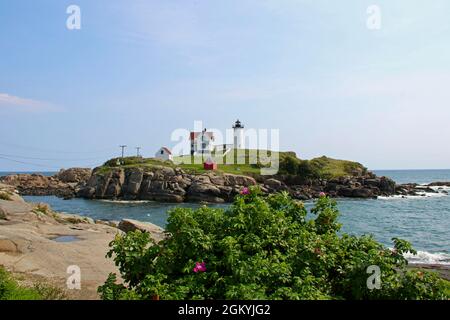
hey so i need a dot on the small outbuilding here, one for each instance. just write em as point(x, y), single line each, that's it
point(210, 164)
point(164, 154)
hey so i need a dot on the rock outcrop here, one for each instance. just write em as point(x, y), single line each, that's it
point(368, 186)
point(74, 175)
point(168, 184)
point(65, 183)
point(129, 225)
point(163, 184)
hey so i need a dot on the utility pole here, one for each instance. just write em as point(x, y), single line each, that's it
point(137, 149)
point(123, 148)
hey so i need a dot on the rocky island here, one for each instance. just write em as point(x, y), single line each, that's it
point(149, 179)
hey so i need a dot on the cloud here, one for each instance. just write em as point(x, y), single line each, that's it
point(23, 104)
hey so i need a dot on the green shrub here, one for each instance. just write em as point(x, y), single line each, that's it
point(5, 196)
point(289, 165)
point(262, 248)
point(307, 170)
point(10, 290)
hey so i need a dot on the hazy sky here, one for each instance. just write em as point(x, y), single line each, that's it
point(137, 70)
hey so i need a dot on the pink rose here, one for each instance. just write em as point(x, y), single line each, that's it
point(245, 191)
point(199, 267)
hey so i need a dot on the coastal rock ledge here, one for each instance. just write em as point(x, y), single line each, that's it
point(163, 184)
point(171, 184)
point(168, 184)
point(64, 184)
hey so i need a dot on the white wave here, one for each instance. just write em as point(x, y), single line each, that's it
point(420, 195)
point(440, 188)
point(424, 257)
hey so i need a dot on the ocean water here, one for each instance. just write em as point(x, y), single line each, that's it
point(415, 176)
point(422, 220)
point(44, 173)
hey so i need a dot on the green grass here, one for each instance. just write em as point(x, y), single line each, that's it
point(244, 162)
point(334, 168)
point(11, 290)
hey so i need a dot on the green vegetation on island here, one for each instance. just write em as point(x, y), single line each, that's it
point(248, 162)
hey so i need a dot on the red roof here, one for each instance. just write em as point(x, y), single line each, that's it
point(194, 135)
point(166, 150)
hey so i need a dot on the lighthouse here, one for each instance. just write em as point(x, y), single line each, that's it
point(239, 142)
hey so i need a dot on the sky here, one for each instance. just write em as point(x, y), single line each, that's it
point(138, 70)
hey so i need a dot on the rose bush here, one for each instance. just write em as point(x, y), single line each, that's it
point(262, 248)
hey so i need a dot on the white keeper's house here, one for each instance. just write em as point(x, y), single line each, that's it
point(164, 154)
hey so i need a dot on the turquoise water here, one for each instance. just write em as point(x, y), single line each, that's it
point(424, 221)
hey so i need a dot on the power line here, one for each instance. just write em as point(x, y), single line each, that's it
point(45, 166)
point(138, 148)
point(49, 159)
point(55, 151)
point(29, 163)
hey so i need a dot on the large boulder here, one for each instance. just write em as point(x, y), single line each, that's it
point(387, 186)
point(74, 175)
point(129, 225)
point(101, 183)
point(275, 185)
point(238, 180)
point(362, 193)
point(133, 182)
point(115, 184)
point(345, 192)
point(202, 189)
point(161, 185)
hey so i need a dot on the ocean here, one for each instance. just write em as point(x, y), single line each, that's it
point(44, 173)
point(424, 221)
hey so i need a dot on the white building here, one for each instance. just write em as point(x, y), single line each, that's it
point(202, 142)
point(164, 154)
point(239, 137)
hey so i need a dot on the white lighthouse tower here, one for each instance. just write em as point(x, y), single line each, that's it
point(239, 141)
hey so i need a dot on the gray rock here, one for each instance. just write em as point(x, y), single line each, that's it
point(133, 182)
point(129, 225)
point(74, 175)
point(233, 180)
point(362, 193)
point(387, 185)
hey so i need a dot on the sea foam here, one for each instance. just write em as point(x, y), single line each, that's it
point(424, 257)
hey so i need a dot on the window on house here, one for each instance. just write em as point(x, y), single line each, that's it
point(162, 151)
